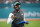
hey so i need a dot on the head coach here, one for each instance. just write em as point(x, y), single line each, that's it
point(16, 16)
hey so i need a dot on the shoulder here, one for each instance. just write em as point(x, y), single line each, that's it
point(21, 11)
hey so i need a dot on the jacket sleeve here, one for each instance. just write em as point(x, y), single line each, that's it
point(9, 21)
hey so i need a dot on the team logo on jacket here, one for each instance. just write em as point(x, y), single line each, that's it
point(21, 14)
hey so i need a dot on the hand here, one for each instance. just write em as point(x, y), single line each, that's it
point(27, 23)
point(12, 17)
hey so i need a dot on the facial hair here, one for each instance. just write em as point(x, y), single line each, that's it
point(17, 9)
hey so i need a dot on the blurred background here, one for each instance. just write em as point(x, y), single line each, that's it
point(31, 9)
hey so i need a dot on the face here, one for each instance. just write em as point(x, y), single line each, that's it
point(17, 7)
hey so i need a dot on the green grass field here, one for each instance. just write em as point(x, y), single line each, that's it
point(31, 24)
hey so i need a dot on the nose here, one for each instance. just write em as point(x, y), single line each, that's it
point(18, 5)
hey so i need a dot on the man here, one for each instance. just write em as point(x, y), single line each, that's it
point(16, 16)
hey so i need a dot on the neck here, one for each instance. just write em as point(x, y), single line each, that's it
point(17, 10)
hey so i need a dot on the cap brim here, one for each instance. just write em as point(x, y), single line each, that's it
point(17, 4)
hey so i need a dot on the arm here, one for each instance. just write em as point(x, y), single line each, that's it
point(10, 19)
